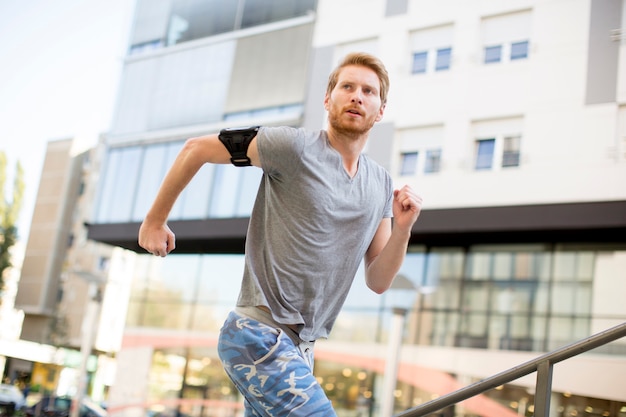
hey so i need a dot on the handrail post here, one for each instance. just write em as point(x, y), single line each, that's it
point(543, 389)
point(391, 364)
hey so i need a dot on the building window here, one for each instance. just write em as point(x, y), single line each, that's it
point(511, 151)
point(488, 153)
point(443, 59)
point(519, 50)
point(420, 60)
point(484, 153)
point(196, 19)
point(409, 163)
point(431, 50)
point(433, 161)
point(497, 143)
point(505, 38)
point(419, 150)
point(497, 53)
point(517, 297)
point(493, 54)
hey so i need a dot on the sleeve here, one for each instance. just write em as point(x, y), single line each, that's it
point(388, 211)
point(280, 149)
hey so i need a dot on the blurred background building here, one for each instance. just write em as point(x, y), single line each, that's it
point(508, 117)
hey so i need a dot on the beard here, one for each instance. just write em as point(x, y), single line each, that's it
point(350, 127)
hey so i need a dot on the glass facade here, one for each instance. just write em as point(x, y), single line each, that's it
point(133, 176)
point(516, 297)
point(519, 298)
point(188, 20)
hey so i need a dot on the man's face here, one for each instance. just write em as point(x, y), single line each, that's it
point(354, 104)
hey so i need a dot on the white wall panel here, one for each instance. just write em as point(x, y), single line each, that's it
point(173, 90)
point(133, 103)
point(190, 86)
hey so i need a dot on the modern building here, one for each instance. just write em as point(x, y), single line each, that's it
point(61, 272)
point(509, 118)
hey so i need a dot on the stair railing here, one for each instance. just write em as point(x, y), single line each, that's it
point(543, 365)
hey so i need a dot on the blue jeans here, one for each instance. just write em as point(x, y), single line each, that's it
point(272, 372)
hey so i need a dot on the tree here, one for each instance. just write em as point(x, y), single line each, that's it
point(9, 212)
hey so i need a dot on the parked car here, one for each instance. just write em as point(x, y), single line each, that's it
point(49, 406)
point(11, 398)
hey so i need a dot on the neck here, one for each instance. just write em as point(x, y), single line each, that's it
point(349, 147)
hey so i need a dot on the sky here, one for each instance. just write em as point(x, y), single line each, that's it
point(60, 66)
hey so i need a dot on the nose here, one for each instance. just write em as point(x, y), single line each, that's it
point(357, 97)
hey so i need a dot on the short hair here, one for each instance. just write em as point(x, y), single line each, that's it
point(365, 60)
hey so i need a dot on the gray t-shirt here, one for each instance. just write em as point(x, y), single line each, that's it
point(310, 228)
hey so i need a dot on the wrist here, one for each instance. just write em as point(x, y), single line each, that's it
point(154, 219)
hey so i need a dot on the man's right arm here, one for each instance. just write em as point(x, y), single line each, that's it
point(154, 234)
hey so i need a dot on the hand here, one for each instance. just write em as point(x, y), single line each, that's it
point(157, 239)
point(407, 206)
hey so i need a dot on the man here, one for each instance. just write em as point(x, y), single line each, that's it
point(321, 208)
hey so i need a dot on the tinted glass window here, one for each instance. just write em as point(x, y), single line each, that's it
point(195, 19)
point(259, 12)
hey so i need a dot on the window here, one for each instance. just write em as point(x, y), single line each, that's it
point(258, 12)
point(194, 19)
point(511, 152)
point(420, 59)
point(484, 153)
point(433, 161)
point(431, 50)
point(493, 54)
point(420, 150)
point(133, 176)
point(498, 53)
point(505, 38)
point(409, 163)
point(119, 188)
point(443, 59)
point(519, 50)
point(422, 65)
point(497, 143)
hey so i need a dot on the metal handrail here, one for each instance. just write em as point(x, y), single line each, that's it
point(542, 365)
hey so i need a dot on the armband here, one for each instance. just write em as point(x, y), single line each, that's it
point(236, 140)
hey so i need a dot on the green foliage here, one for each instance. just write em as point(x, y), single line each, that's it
point(10, 207)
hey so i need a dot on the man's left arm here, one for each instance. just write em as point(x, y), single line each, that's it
point(387, 250)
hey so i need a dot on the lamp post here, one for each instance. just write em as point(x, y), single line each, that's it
point(88, 331)
point(403, 293)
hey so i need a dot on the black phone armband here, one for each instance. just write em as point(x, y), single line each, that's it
point(236, 140)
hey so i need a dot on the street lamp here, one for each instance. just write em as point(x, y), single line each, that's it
point(88, 334)
point(402, 293)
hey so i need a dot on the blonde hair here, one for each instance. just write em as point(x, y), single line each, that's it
point(365, 60)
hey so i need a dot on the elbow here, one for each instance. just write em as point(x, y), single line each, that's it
point(376, 287)
point(191, 145)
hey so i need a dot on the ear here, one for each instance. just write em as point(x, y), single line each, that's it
point(326, 99)
point(380, 113)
